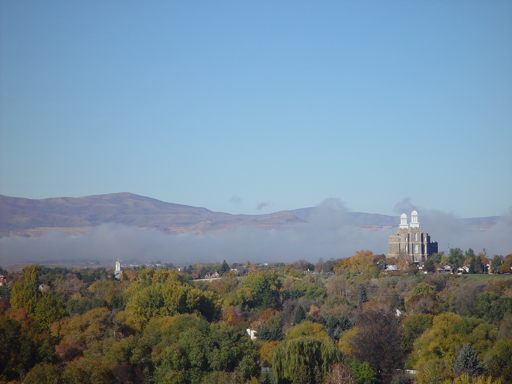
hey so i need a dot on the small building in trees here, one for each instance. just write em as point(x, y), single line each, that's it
point(211, 275)
point(409, 241)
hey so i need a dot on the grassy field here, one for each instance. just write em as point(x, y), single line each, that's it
point(476, 279)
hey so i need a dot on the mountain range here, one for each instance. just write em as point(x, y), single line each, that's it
point(78, 215)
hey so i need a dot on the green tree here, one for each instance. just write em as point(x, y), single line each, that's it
point(500, 362)
point(466, 362)
point(307, 356)
point(479, 265)
point(471, 269)
point(25, 292)
point(186, 348)
point(496, 263)
point(437, 257)
point(505, 267)
point(439, 342)
point(413, 327)
point(48, 310)
point(224, 268)
point(456, 257)
point(232, 351)
point(275, 333)
point(308, 328)
point(170, 298)
point(363, 373)
point(87, 371)
point(9, 348)
point(470, 254)
point(363, 297)
point(264, 290)
point(422, 298)
point(336, 325)
point(422, 289)
point(300, 315)
point(492, 307)
point(44, 374)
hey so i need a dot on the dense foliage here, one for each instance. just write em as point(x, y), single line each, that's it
point(348, 322)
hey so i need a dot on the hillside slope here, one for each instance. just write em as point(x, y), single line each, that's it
point(19, 216)
point(76, 215)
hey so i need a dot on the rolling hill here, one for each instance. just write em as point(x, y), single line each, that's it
point(76, 215)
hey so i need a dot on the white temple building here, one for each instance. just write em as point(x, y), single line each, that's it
point(410, 241)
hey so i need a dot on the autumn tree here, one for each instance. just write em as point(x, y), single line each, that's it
point(44, 373)
point(340, 374)
point(48, 310)
point(25, 292)
point(439, 344)
point(378, 340)
point(413, 326)
point(308, 328)
point(170, 298)
point(429, 265)
point(422, 299)
point(319, 265)
point(362, 263)
point(500, 361)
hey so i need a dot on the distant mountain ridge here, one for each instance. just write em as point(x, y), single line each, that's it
point(76, 215)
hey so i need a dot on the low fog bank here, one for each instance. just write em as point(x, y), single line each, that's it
point(323, 236)
point(112, 241)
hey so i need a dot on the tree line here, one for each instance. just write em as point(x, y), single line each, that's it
point(354, 325)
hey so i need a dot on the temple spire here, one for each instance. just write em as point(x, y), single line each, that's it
point(403, 221)
point(414, 219)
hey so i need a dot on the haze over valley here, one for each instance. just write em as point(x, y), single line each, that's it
point(137, 228)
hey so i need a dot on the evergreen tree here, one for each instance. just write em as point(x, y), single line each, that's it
point(472, 266)
point(336, 325)
point(300, 315)
point(264, 333)
point(479, 266)
point(224, 268)
point(363, 297)
point(276, 333)
point(467, 363)
point(270, 334)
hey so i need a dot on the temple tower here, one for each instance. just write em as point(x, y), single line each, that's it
point(409, 241)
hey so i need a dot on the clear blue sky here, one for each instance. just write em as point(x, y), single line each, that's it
point(231, 105)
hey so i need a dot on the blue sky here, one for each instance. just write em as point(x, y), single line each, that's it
point(234, 104)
